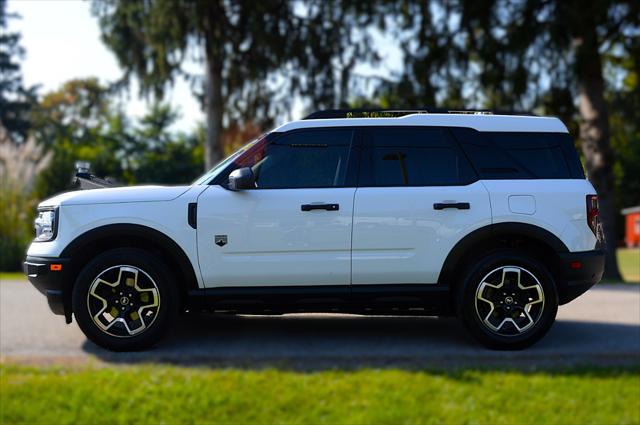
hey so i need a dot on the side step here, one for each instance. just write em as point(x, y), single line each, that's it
point(400, 299)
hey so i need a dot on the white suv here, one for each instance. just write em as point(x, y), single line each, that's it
point(485, 216)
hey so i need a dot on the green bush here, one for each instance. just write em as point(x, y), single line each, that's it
point(20, 165)
point(16, 218)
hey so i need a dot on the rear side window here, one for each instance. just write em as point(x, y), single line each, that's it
point(412, 156)
point(520, 155)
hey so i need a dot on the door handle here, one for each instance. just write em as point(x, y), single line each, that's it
point(456, 205)
point(326, 207)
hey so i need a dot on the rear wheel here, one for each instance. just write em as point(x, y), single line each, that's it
point(507, 300)
point(124, 300)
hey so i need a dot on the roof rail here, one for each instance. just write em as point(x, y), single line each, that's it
point(396, 113)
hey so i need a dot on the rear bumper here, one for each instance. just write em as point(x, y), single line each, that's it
point(580, 271)
point(53, 283)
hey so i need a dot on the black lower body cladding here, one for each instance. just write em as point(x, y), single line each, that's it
point(51, 276)
point(580, 271)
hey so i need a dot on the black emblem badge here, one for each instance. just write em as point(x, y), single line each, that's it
point(220, 240)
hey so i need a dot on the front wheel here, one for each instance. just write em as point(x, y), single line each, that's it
point(124, 300)
point(507, 300)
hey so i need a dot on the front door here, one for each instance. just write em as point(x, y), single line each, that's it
point(294, 228)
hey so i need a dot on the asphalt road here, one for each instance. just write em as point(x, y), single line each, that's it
point(601, 327)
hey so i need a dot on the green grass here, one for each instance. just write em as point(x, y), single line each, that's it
point(167, 394)
point(629, 264)
point(12, 276)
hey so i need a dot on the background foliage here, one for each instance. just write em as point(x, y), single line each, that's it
point(576, 60)
point(19, 168)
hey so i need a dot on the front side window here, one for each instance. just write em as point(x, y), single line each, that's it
point(299, 159)
point(412, 156)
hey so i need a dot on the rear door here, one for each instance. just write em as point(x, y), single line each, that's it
point(417, 197)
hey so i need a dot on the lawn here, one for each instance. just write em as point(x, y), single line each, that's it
point(169, 394)
point(629, 263)
point(11, 276)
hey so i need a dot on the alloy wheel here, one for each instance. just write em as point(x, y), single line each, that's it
point(509, 300)
point(123, 301)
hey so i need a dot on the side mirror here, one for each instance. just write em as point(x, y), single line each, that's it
point(241, 179)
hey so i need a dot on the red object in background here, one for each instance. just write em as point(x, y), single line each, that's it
point(632, 227)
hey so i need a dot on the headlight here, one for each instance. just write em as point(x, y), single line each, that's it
point(46, 224)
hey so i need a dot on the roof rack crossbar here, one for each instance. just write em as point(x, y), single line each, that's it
point(400, 112)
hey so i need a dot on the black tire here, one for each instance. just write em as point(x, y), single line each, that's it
point(147, 273)
point(497, 308)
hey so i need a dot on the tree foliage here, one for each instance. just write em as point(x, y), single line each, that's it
point(15, 99)
point(83, 122)
point(257, 55)
point(249, 62)
point(531, 54)
point(330, 39)
point(623, 94)
point(20, 165)
point(563, 41)
point(77, 122)
point(240, 43)
point(155, 154)
point(434, 66)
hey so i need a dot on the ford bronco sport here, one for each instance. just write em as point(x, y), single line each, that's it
point(485, 216)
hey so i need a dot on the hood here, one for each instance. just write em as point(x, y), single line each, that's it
point(116, 195)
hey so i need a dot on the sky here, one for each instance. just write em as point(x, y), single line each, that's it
point(62, 41)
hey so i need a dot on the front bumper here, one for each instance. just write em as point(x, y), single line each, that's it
point(50, 276)
point(580, 271)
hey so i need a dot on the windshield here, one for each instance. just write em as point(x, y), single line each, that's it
point(212, 173)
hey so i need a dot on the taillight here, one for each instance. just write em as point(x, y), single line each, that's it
point(593, 213)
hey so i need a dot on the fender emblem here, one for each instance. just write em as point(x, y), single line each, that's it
point(220, 240)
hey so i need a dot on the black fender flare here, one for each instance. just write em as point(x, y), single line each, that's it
point(491, 232)
point(140, 232)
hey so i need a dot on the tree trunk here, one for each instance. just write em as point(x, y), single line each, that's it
point(212, 15)
point(213, 150)
point(594, 134)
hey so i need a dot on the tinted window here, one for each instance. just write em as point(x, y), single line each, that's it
point(412, 156)
point(511, 155)
point(308, 158)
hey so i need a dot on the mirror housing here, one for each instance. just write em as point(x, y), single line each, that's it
point(241, 179)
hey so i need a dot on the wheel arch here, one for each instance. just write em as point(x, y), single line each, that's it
point(539, 242)
point(97, 240)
